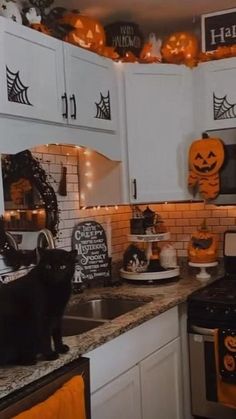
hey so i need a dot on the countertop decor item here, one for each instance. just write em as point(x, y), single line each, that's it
point(203, 274)
point(90, 241)
point(154, 270)
point(203, 246)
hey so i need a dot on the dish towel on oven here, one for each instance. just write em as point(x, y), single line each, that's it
point(225, 356)
point(66, 403)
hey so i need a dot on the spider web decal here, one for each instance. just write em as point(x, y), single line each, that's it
point(16, 90)
point(222, 108)
point(103, 107)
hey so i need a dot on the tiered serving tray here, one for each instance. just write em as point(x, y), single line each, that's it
point(149, 276)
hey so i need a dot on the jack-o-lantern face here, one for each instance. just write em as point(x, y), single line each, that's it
point(180, 47)
point(86, 32)
point(230, 343)
point(229, 362)
point(206, 156)
point(203, 246)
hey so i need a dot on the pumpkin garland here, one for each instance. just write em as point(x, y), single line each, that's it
point(206, 157)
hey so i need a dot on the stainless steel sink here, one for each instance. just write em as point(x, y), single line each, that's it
point(104, 308)
point(75, 326)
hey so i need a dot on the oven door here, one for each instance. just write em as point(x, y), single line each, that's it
point(203, 376)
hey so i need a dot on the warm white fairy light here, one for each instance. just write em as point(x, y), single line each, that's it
point(88, 163)
point(87, 152)
point(116, 207)
point(89, 185)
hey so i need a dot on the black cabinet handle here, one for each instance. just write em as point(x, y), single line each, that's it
point(64, 99)
point(135, 189)
point(73, 101)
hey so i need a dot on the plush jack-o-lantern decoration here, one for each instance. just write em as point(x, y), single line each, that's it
point(229, 362)
point(230, 343)
point(180, 48)
point(86, 32)
point(203, 246)
point(206, 157)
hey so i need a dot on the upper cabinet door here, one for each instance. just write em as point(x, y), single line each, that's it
point(159, 128)
point(215, 91)
point(91, 89)
point(31, 73)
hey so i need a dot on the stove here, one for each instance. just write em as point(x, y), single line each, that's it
point(215, 305)
point(212, 307)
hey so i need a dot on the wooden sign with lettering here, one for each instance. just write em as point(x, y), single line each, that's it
point(124, 37)
point(218, 29)
point(89, 239)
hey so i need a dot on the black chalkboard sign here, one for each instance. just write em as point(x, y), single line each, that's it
point(89, 239)
point(218, 29)
point(124, 37)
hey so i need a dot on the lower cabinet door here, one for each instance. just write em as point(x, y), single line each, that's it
point(161, 383)
point(119, 399)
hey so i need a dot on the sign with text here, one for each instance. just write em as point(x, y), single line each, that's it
point(124, 37)
point(218, 29)
point(89, 239)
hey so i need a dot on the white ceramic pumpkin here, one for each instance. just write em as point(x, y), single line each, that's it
point(11, 10)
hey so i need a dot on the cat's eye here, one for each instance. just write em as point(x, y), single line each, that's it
point(48, 266)
point(62, 267)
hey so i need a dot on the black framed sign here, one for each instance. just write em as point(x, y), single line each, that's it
point(89, 239)
point(218, 29)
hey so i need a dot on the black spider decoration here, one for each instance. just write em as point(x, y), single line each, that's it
point(223, 109)
point(103, 107)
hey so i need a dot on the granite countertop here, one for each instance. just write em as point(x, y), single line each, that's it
point(159, 298)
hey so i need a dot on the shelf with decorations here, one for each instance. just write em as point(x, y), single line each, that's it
point(152, 263)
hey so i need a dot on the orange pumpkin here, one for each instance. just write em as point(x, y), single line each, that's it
point(203, 246)
point(86, 32)
point(206, 157)
point(180, 48)
point(229, 362)
point(230, 343)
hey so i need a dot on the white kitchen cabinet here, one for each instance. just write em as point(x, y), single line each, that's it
point(31, 73)
point(91, 89)
point(141, 376)
point(161, 383)
point(119, 399)
point(215, 95)
point(159, 129)
point(44, 78)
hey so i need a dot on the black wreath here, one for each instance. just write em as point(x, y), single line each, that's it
point(23, 164)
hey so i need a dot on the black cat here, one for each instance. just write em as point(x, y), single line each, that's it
point(31, 309)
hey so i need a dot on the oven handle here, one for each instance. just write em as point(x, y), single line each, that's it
point(202, 330)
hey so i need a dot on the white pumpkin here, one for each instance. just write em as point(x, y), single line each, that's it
point(11, 10)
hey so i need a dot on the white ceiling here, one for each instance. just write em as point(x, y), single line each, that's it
point(158, 16)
